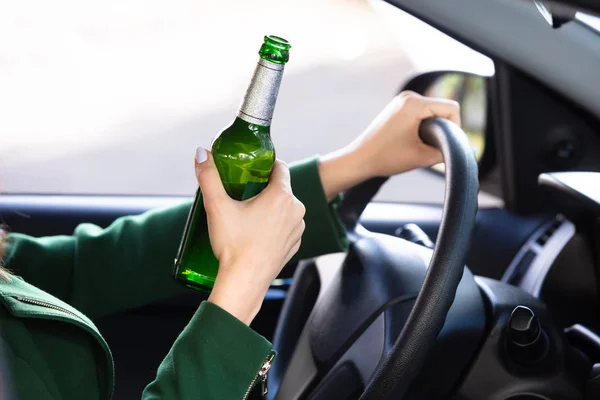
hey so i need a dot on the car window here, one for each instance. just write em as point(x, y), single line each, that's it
point(470, 92)
point(113, 97)
point(591, 21)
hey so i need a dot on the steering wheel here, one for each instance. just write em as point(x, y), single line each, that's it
point(379, 276)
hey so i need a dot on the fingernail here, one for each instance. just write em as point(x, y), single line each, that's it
point(201, 155)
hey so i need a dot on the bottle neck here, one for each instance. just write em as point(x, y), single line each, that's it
point(258, 103)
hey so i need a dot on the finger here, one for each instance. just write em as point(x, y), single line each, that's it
point(431, 155)
point(208, 177)
point(434, 107)
point(280, 176)
point(408, 93)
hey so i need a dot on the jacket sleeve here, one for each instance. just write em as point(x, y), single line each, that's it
point(215, 357)
point(129, 264)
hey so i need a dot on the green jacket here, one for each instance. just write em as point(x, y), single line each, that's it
point(60, 284)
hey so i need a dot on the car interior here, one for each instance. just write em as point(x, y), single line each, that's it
point(461, 300)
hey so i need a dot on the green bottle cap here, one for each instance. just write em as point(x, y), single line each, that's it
point(275, 49)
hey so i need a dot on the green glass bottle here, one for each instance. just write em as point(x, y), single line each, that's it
point(244, 155)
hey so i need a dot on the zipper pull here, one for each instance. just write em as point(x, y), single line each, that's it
point(262, 374)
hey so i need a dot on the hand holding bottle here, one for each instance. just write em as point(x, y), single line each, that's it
point(252, 239)
point(390, 144)
point(244, 155)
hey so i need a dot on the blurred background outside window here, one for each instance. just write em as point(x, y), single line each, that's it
point(113, 97)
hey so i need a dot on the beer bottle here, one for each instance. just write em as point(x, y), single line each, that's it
point(244, 156)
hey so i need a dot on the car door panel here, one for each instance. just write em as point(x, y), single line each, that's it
point(498, 233)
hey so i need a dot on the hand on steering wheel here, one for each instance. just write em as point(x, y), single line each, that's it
point(389, 146)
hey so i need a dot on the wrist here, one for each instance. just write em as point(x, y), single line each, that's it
point(245, 312)
point(362, 162)
point(344, 169)
point(238, 293)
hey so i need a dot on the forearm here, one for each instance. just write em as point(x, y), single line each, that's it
point(341, 170)
point(239, 291)
point(215, 357)
point(128, 264)
point(103, 271)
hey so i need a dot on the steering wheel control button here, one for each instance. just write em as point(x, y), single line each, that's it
point(527, 341)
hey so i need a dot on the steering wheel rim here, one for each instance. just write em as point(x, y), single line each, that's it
point(402, 364)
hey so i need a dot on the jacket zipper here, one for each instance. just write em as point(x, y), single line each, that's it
point(78, 318)
point(52, 306)
point(262, 375)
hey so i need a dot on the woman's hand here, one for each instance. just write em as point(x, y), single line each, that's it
point(252, 239)
point(390, 144)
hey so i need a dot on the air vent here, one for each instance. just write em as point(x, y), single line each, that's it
point(549, 231)
point(523, 265)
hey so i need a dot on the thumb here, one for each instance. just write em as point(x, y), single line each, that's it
point(208, 177)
